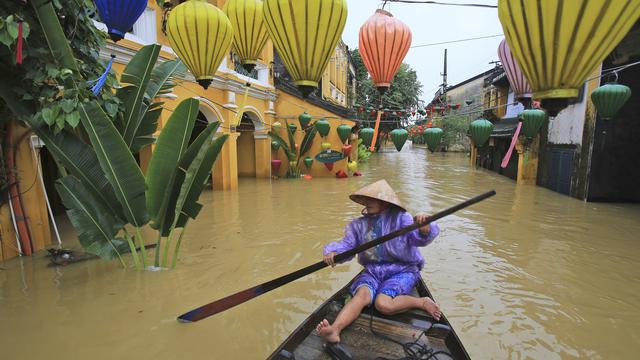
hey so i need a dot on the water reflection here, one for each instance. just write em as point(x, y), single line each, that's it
point(526, 274)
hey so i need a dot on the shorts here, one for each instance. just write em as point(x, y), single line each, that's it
point(391, 285)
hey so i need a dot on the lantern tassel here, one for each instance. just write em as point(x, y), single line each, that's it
point(507, 157)
point(19, 46)
point(375, 132)
point(238, 117)
point(103, 78)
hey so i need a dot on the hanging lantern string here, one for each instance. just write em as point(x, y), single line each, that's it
point(442, 3)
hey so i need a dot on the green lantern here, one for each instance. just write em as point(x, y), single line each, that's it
point(323, 127)
point(293, 128)
point(366, 135)
point(304, 120)
point(399, 137)
point(275, 145)
point(480, 131)
point(532, 121)
point(308, 161)
point(422, 112)
point(468, 102)
point(610, 98)
point(433, 136)
point(343, 132)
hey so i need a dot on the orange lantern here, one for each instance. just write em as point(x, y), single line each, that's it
point(384, 42)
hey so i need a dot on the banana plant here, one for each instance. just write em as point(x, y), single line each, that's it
point(295, 154)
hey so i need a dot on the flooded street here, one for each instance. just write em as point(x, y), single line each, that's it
point(528, 273)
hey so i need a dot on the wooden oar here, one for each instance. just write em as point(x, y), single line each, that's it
point(248, 294)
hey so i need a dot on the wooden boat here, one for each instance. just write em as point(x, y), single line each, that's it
point(414, 326)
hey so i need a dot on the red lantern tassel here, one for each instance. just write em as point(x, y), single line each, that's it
point(19, 47)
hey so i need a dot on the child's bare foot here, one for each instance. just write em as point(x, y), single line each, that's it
point(327, 332)
point(432, 308)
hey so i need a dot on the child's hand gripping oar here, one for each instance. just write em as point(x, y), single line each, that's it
point(248, 294)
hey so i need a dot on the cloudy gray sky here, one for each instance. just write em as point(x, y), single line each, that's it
point(438, 23)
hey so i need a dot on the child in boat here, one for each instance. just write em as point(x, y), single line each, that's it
point(391, 268)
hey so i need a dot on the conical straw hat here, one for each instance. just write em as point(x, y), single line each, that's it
point(380, 190)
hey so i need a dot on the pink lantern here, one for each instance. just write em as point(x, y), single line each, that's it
point(518, 82)
point(275, 166)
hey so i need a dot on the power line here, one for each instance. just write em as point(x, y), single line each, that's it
point(456, 41)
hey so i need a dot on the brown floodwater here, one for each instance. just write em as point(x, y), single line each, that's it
point(528, 273)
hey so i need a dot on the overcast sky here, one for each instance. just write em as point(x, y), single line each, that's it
point(438, 23)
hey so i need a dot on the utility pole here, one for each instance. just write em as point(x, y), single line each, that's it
point(444, 78)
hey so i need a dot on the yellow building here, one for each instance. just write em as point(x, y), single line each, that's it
point(246, 153)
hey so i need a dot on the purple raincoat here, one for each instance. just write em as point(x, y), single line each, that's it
point(393, 267)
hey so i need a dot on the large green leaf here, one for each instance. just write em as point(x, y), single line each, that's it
point(172, 143)
point(292, 141)
point(161, 76)
point(148, 127)
point(307, 141)
point(285, 147)
point(187, 205)
point(137, 74)
point(96, 227)
point(117, 163)
point(81, 161)
point(185, 161)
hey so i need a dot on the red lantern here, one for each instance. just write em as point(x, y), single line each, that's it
point(383, 43)
point(329, 166)
point(361, 109)
point(413, 113)
point(430, 124)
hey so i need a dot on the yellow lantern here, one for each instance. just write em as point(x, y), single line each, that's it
point(559, 43)
point(201, 35)
point(249, 32)
point(305, 33)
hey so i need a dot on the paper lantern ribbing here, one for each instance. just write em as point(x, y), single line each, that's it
point(480, 131)
point(559, 43)
point(323, 127)
point(609, 99)
point(304, 120)
point(120, 15)
point(433, 136)
point(249, 32)
point(399, 137)
point(202, 53)
point(343, 132)
point(366, 135)
point(532, 121)
point(305, 34)
point(516, 78)
point(383, 43)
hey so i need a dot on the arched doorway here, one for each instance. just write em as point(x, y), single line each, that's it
point(246, 146)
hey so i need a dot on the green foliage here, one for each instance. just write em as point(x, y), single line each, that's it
point(363, 152)
point(96, 226)
point(404, 91)
point(41, 81)
point(94, 138)
point(455, 131)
